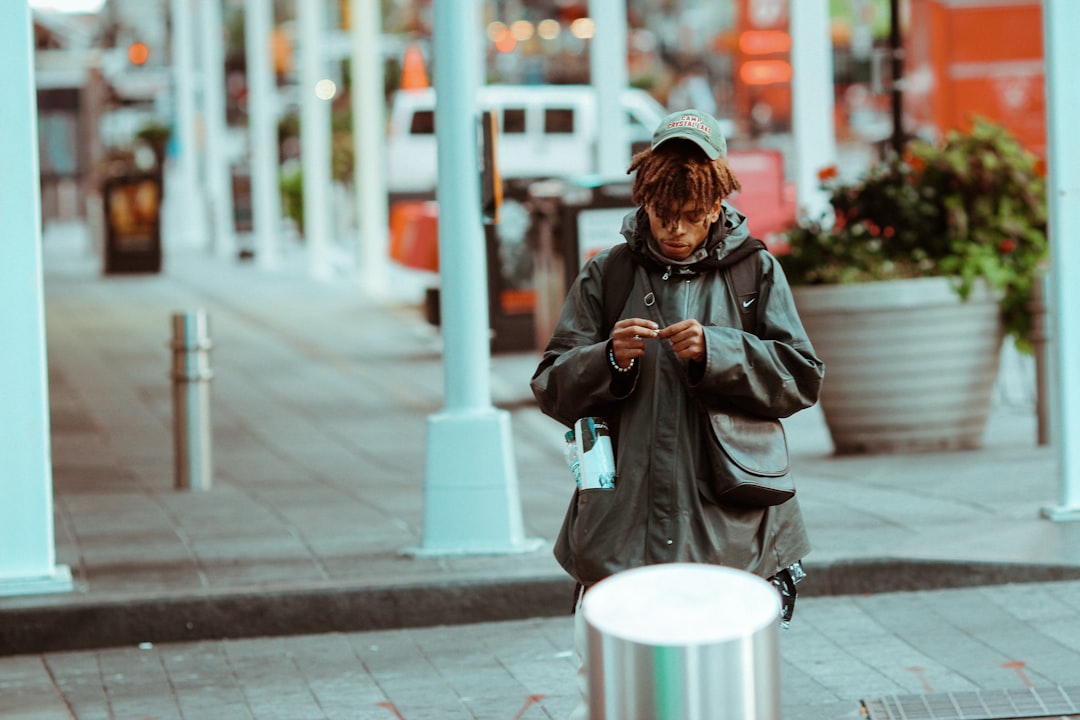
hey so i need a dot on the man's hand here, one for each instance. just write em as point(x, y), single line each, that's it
point(687, 339)
point(628, 339)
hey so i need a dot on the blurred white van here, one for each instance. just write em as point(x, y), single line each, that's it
point(544, 131)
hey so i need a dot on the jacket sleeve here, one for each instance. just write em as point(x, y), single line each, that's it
point(774, 373)
point(574, 378)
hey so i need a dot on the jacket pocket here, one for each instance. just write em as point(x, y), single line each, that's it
point(586, 543)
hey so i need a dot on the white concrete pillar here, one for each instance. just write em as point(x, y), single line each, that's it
point(610, 77)
point(470, 471)
point(1061, 18)
point(315, 93)
point(813, 125)
point(263, 112)
point(27, 547)
point(219, 200)
point(369, 143)
point(186, 209)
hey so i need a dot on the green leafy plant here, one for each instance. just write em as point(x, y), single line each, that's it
point(292, 194)
point(971, 208)
point(156, 136)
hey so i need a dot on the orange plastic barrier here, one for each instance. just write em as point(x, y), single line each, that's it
point(995, 72)
point(414, 234)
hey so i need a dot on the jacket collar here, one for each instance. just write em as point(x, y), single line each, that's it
point(725, 235)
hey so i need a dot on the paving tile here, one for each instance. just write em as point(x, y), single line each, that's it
point(319, 485)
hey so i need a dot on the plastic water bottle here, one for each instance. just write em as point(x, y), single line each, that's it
point(594, 450)
point(571, 454)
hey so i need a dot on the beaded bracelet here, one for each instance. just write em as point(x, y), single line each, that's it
point(611, 357)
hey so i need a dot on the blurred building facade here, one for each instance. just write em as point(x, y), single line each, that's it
point(104, 78)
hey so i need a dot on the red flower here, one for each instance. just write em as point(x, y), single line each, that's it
point(889, 231)
point(826, 174)
point(1006, 246)
point(915, 162)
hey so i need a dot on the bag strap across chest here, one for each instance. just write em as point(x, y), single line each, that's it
point(742, 268)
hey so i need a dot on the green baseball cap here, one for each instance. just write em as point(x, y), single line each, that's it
point(699, 127)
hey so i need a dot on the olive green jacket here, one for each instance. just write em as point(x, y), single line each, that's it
point(657, 512)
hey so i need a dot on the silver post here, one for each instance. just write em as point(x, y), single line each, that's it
point(683, 641)
point(1040, 342)
point(191, 375)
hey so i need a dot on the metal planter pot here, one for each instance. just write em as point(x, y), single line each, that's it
point(909, 366)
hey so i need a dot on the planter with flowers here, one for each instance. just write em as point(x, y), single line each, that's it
point(908, 287)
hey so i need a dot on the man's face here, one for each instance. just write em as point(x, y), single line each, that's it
point(686, 232)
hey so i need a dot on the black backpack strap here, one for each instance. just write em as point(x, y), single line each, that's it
point(743, 268)
point(618, 280)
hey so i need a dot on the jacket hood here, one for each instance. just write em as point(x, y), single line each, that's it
point(725, 236)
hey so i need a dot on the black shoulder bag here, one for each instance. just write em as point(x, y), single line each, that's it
point(748, 453)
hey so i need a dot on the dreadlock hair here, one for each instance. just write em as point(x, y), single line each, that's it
point(677, 173)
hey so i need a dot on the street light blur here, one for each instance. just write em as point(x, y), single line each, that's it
point(325, 89)
point(522, 30)
point(548, 29)
point(138, 53)
point(583, 28)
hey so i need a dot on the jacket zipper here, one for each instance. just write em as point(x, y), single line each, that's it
point(686, 288)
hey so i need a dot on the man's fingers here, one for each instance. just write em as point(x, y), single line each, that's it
point(637, 326)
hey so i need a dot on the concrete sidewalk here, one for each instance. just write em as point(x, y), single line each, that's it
point(1004, 647)
point(320, 403)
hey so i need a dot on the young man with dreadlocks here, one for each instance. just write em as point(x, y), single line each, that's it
point(678, 343)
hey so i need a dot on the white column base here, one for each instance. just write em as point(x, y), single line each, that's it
point(184, 217)
point(471, 501)
point(1061, 513)
point(58, 582)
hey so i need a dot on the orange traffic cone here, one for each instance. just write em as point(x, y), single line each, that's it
point(413, 74)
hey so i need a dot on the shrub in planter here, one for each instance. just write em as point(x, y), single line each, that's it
point(907, 285)
point(971, 208)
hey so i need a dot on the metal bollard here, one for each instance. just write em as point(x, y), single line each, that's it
point(191, 375)
point(683, 642)
point(1041, 347)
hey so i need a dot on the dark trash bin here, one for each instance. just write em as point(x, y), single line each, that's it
point(243, 211)
point(511, 294)
point(547, 230)
point(132, 224)
point(572, 220)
